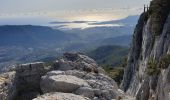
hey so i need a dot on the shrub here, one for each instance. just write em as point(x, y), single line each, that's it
point(152, 68)
point(116, 74)
point(165, 61)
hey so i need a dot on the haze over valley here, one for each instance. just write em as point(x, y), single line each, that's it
point(28, 43)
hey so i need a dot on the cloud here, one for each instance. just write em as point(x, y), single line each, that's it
point(78, 22)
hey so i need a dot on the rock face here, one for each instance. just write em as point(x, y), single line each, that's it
point(60, 96)
point(23, 83)
point(73, 77)
point(61, 83)
point(28, 79)
point(8, 88)
point(147, 72)
point(80, 75)
point(81, 83)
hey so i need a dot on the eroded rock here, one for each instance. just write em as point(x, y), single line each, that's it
point(85, 91)
point(61, 96)
point(61, 83)
point(72, 61)
point(8, 89)
point(74, 77)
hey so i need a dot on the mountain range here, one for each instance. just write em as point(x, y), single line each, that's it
point(27, 43)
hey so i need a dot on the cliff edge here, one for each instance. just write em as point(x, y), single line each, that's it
point(147, 74)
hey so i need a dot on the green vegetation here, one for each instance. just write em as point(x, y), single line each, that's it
point(116, 73)
point(165, 61)
point(112, 59)
point(109, 55)
point(152, 68)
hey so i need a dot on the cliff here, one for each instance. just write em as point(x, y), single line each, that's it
point(147, 72)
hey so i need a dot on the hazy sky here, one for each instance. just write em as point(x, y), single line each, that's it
point(53, 5)
point(69, 10)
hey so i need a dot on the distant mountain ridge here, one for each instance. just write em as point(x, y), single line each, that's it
point(129, 21)
point(28, 35)
point(105, 32)
point(28, 43)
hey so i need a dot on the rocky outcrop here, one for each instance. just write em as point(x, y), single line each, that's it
point(86, 92)
point(78, 62)
point(80, 75)
point(60, 96)
point(146, 74)
point(90, 85)
point(23, 83)
point(28, 80)
point(73, 77)
point(61, 83)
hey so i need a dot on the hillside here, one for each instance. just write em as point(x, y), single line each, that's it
point(109, 55)
point(99, 33)
point(124, 40)
point(27, 43)
point(27, 35)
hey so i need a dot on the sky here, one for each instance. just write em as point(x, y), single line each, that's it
point(18, 11)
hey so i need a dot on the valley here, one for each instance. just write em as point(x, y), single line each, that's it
point(29, 43)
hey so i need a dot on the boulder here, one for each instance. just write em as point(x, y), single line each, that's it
point(98, 85)
point(28, 79)
point(60, 96)
point(85, 91)
point(29, 75)
point(64, 65)
point(61, 83)
point(75, 61)
point(109, 94)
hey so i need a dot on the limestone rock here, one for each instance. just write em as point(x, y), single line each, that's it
point(72, 61)
point(61, 83)
point(8, 89)
point(151, 42)
point(60, 96)
point(85, 91)
point(163, 88)
point(96, 83)
point(75, 77)
point(28, 79)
